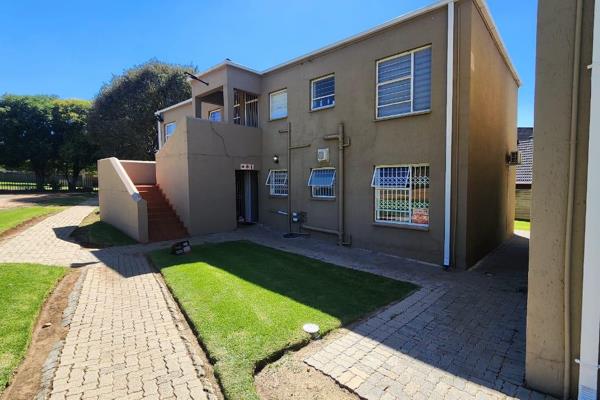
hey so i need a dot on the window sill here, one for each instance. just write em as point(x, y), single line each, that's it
point(323, 198)
point(282, 196)
point(402, 226)
point(321, 108)
point(412, 114)
point(277, 119)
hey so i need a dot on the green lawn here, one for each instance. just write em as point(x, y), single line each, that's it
point(12, 217)
point(522, 225)
point(23, 289)
point(44, 205)
point(248, 302)
point(94, 233)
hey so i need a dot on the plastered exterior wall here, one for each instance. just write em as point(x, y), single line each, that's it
point(118, 204)
point(480, 185)
point(554, 75)
point(172, 172)
point(140, 172)
point(215, 152)
point(492, 122)
point(410, 139)
point(175, 114)
point(196, 171)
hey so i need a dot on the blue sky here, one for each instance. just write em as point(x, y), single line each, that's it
point(70, 48)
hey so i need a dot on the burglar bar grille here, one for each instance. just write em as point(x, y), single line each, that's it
point(402, 194)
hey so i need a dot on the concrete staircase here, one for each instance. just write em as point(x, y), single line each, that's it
point(163, 222)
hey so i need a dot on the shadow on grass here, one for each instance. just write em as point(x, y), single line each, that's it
point(54, 199)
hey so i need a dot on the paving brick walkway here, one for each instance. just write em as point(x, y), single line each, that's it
point(126, 339)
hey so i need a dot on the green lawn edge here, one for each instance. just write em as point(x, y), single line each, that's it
point(13, 352)
point(94, 233)
point(260, 363)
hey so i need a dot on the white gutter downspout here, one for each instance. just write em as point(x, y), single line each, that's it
point(590, 311)
point(449, 99)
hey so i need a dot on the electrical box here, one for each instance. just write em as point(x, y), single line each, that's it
point(323, 155)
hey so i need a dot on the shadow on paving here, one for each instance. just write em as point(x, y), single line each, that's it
point(468, 331)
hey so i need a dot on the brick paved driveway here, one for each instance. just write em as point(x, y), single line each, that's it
point(126, 339)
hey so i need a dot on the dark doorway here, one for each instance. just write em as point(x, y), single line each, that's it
point(246, 196)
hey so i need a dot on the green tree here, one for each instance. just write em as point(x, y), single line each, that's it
point(122, 116)
point(77, 149)
point(27, 140)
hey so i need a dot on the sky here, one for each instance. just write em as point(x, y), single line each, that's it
point(69, 48)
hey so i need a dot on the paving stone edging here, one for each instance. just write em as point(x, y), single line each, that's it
point(53, 359)
point(187, 336)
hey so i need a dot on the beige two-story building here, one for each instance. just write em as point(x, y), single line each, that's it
point(397, 139)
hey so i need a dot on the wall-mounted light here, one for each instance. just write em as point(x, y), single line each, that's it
point(276, 159)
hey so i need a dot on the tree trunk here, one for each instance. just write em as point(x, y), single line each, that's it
point(40, 176)
point(72, 179)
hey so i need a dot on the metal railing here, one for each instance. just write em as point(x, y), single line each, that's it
point(16, 181)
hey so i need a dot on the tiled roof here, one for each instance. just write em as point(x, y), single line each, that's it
point(525, 146)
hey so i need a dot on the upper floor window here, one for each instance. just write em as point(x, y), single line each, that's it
point(322, 92)
point(215, 115)
point(278, 104)
point(404, 83)
point(170, 129)
point(402, 194)
point(322, 183)
point(277, 181)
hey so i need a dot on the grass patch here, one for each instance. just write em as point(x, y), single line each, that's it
point(248, 302)
point(522, 225)
point(41, 206)
point(13, 217)
point(23, 289)
point(94, 233)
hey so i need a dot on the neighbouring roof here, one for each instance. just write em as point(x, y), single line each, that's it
point(525, 146)
point(481, 4)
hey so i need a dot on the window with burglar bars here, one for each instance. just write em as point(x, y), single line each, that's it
point(404, 83)
point(322, 92)
point(402, 194)
point(277, 181)
point(251, 110)
point(247, 104)
point(322, 183)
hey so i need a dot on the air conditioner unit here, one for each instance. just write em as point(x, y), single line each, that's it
point(514, 158)
point(323, 155)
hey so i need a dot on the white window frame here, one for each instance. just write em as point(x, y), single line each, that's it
point(409, 191)
point(315, 189)
point(211, 112)
point(167, 136)
point(270, 182)
point(271, 104)
point(312, 93)
point(412, 85)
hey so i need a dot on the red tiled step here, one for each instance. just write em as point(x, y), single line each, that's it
point(163, 222)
